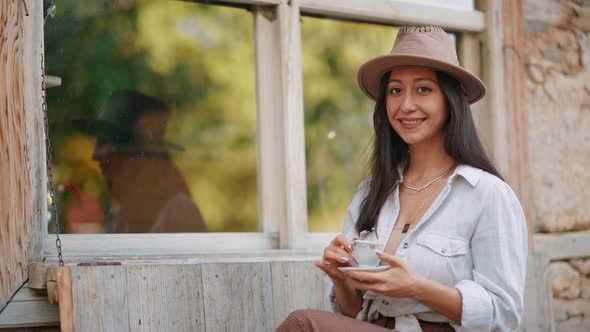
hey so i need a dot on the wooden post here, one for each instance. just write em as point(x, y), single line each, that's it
point(66, 302)
point(470, 53)
point(269, 119)
point(517, 172)
point(503, 73)
point(22, 152)
point(294, 228)
point(503, 56)
point(280, 138)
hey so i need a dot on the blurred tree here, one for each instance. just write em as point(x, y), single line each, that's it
point(338, 117)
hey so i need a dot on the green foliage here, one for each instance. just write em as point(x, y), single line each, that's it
point(338, 117)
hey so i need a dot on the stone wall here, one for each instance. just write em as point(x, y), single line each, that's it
point(571, 291)
point(557, 51)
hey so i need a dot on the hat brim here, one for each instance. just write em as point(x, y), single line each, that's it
point(104, 129)
point(370, 73)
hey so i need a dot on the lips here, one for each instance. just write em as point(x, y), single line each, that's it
point(411, 123)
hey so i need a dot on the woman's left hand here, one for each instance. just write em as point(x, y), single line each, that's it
point(397, 281)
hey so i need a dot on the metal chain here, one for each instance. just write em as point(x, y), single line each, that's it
point(51, 189)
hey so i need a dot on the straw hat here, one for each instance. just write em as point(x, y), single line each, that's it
point(426, 46)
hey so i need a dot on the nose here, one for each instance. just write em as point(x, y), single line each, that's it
point(408, 104)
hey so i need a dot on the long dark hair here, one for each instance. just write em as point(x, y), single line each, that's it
point(390, 152)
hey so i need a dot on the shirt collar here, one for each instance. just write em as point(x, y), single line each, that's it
point(469, 173)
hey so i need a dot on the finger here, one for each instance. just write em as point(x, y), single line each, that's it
point(322, 264)
point(392, 260)
point(360, 285)
point(341, 241)
point(379, 288)
point(338, 258)
point(340, 250)
point(364, 277)
point(331, 270)
point(327, 268)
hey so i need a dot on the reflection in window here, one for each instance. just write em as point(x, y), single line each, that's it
point(338, 117)
point(153, 128)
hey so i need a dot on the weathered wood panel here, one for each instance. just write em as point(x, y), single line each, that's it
point(29, 308)
point(538, 299)
point(100, 298)
point(165, 298)
point(563, 245)
point(503, 73)
point(32, 329)
point(293, 228)
point(515, 94)
point(493, 76)
point(64, 294)
point(26, 313)
point(396, 12)
point(152, 244)
point(186, 297)
point(238, 297)
point(269, 142)
point(22, 167)
point(296, 285)
point(469, 51)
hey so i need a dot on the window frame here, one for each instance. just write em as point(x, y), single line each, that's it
point(280, 145)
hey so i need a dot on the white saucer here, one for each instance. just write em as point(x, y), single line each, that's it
point(364, 268)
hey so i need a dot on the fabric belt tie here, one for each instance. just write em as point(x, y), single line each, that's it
point(389, 322)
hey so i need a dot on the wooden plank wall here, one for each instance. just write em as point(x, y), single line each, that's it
point(29, 308)
point(22, 162)
point(32, 329)
point(253, 296)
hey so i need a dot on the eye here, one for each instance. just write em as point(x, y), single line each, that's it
point(424, 89)
point(394, 91)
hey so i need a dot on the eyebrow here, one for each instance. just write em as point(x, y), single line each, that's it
point(415, 80)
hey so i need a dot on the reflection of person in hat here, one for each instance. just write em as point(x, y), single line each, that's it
point(149, 190)
point(454, 232)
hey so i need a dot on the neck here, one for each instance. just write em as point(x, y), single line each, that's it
point(427, 161)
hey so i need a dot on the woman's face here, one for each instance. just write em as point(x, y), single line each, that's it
point(416, 106)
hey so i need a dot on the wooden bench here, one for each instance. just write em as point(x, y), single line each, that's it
point(208, 296)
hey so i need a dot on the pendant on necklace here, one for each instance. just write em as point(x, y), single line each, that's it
point(406, 227)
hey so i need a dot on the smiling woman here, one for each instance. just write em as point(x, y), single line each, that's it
point(431, 186)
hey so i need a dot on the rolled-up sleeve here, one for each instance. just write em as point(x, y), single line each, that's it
point(493, 300)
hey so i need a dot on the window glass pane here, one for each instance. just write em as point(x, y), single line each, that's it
point(154, 124)
point(338, 117)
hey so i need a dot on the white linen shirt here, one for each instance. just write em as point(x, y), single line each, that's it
point(473, 238)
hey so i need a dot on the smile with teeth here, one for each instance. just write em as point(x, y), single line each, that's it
point(411, 122)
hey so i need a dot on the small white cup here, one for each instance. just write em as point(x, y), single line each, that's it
point(364, 252)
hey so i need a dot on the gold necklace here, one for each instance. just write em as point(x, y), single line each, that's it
point(429, 183)
point(410, 222)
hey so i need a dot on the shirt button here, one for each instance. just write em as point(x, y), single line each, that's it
point(444, 250)
point(406, 245)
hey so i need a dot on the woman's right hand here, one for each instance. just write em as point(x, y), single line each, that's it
point(337, 254)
